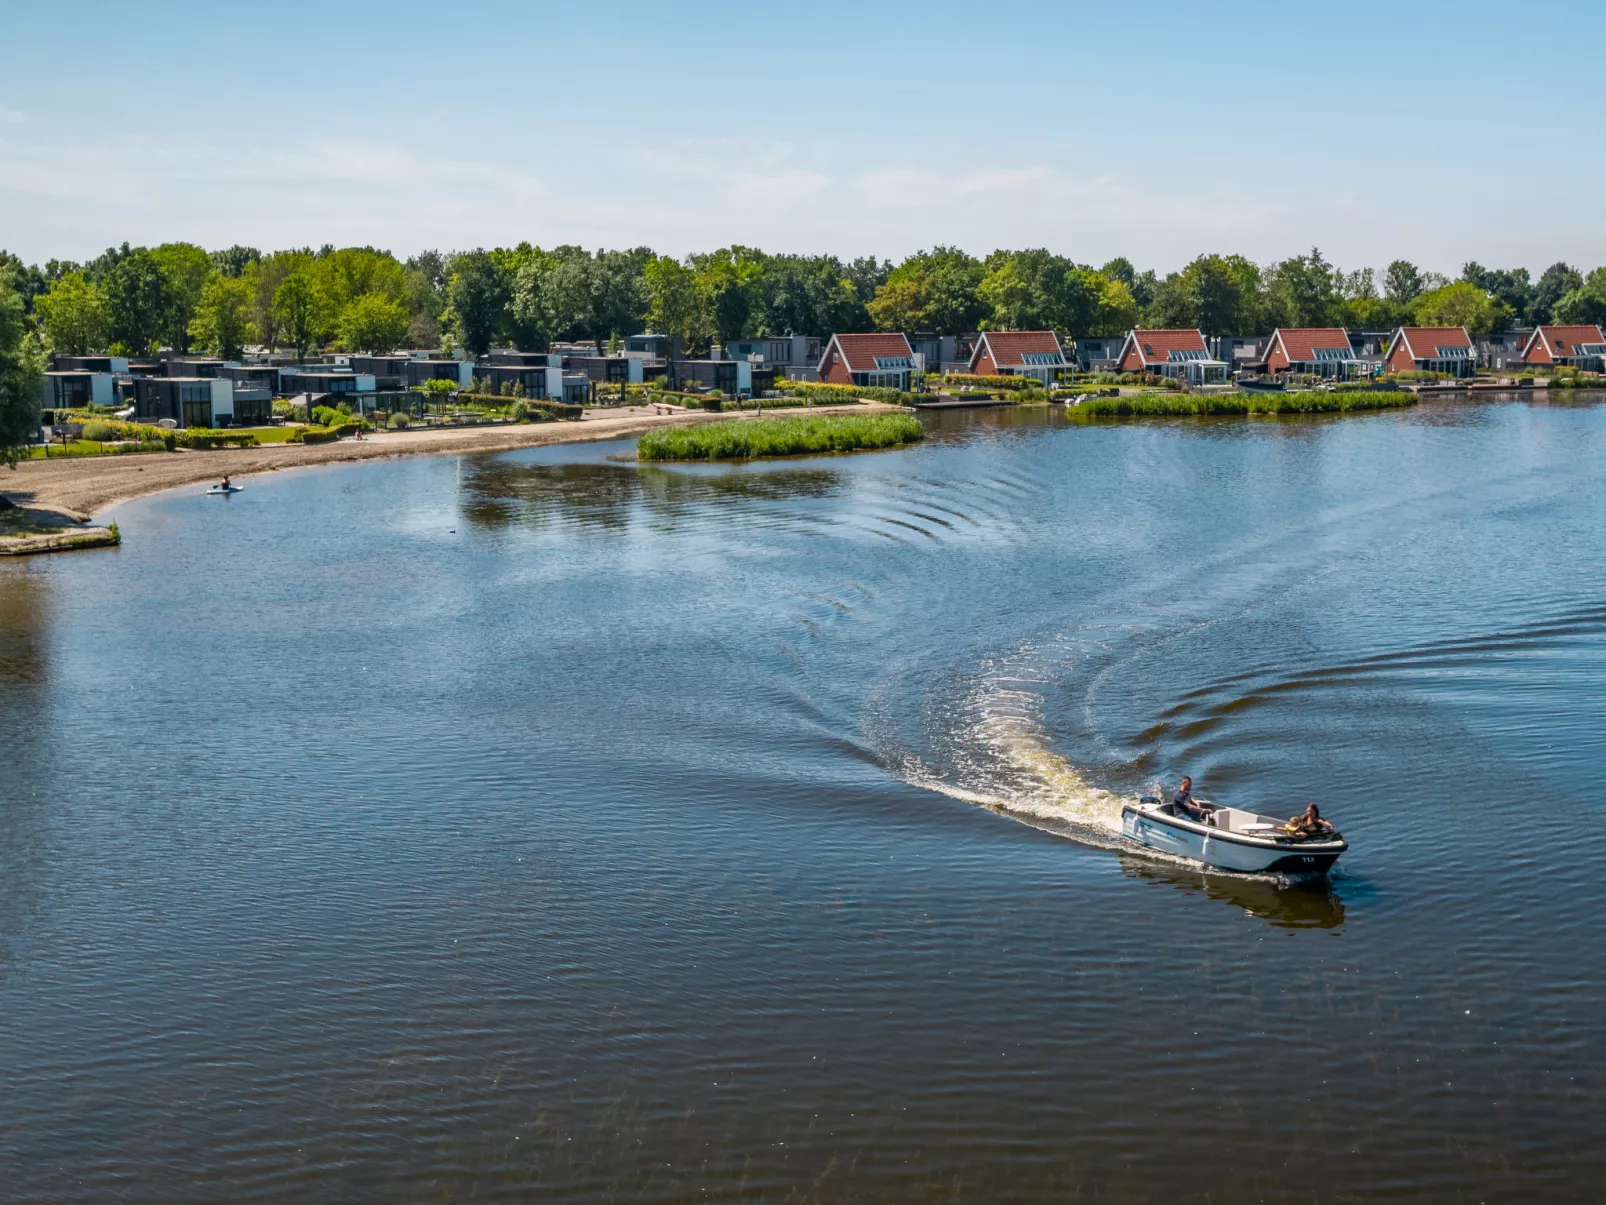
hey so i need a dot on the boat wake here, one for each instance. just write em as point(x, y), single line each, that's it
point(999, 755)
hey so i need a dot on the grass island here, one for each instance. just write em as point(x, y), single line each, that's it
point(745, 440)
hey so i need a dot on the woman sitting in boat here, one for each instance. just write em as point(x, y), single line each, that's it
point(1309, 823)
point(225, 485)
point(1184, 804)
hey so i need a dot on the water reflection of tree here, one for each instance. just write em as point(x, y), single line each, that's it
point(1288, 905)
point(24, 671)
point(501, 493)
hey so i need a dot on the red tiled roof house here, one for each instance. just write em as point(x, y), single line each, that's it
point(1172, 353)
point(1432, 349)
point(880, 360)
point(1579, 346)
point(1320, 350)
point(1034, 354)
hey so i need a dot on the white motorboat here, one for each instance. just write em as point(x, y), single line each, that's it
point(1230, 839)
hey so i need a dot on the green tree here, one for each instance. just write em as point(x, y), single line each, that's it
point(1458, 304)
point(1554, 283)
point(263, 278)
point(301, 311)
point(867, 274)
point(29, 282)
point(1302, 291)
point(1510, 289)
point(1402, 283)
point(22, 372)
point(945, 280)
point(678, 306)
point(234, 262)
point(1117, 310)
point(140, 302)
point(477, 294)
point(353, 272)
point(187, 268)
point(1038, 290)
point(904, 302)
point(1584, 306)
point(373, 323)
point(222, 321)
point(730, 279)
point(1170, 306)
point(813, 295)
point(1223, 293)
point(73, 315)
point(1012, 303)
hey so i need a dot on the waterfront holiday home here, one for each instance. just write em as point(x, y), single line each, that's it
point(187, 401)
point(1033, 354)
point(1182, 354)
point(1574, 346)
point(1446, 349)
point(64, 389)
point(1324, 351)
point(883, 360)
point(1097, 353)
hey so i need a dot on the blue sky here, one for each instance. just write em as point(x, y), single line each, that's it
point(1156, 130)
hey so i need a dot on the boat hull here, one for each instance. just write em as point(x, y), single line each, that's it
point(1227, 851)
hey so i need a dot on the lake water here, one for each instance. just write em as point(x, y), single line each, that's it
point(541, 826)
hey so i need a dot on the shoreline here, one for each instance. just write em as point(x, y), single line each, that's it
point(80, 487)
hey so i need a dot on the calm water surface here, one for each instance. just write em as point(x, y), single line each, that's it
point(541, 826)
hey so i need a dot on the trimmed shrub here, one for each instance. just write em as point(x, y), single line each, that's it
point(838, 395)
point(988, 382)
point(204, 438)
point(398, 421)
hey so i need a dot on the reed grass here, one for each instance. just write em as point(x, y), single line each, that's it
point(744, 439)
point(1194, 404)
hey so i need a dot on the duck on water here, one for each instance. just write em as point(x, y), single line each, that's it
point(1231, 838)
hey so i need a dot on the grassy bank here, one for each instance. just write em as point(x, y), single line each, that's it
point(1311, 402)
point(741, 440)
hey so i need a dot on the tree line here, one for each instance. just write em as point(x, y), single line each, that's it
point(136, 300)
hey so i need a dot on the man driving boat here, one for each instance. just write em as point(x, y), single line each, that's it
point(1184, 804)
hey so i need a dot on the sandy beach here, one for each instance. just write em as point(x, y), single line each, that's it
point(80, 487)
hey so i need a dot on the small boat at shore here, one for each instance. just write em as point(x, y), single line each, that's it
point(232, 489)
point(1230, 839)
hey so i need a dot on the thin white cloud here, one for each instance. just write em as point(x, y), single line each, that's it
point(60, 199)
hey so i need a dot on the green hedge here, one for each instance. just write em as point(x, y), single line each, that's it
point(844, 394)
point(204, 438)
point(550, 407)
point(988, 382)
